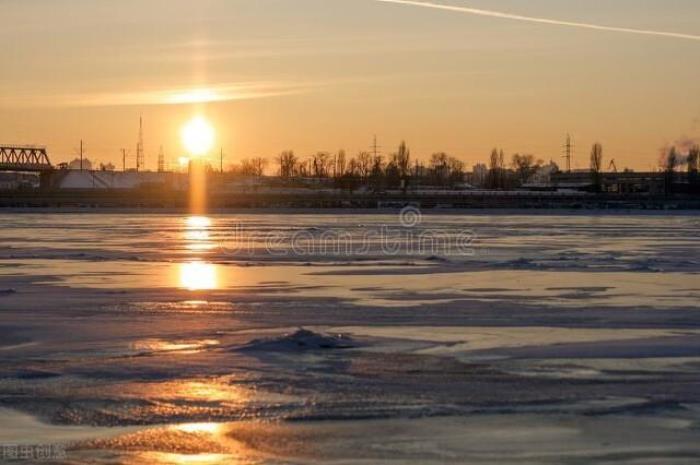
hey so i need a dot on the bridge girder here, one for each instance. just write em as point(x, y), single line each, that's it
point(24, 158)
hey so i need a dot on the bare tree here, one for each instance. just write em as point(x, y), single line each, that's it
point(353, 168)
point(456, 171)
point(439, 168)
point(670, 169)
point(364, 164)
point(693, 159)
point(320, 163)
point(403, 160)
point(524, 166)
point(287, 164)
point(495, 177)
point(340, 163)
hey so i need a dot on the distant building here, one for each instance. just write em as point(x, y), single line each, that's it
point(13, 181)
point(75, 179)
point(614, 183)
point(478, 176)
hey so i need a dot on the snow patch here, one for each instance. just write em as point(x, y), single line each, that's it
point(300, 340)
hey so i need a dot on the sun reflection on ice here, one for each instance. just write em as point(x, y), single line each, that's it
point(198, 222)
point(202, 428)
point(197, 235)
point(183, 459)
point(198, 276)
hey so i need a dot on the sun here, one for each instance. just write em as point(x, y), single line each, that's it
point(198, 136)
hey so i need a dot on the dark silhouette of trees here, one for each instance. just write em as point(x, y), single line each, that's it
point(252, 167)
point(364, 165)
point(403, 164)
point(392, 174)
point(320, 163)
point(694, 160)
point(456, 171)
point(439, 168)
point(524, 167)
point(287, 164)
point(596, 166)
point(376, 177)
point(496, 176)
point(670, 170)
point(340, 164)
point(444, 170)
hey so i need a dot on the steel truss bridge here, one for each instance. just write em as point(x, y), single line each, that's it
point(24, 158)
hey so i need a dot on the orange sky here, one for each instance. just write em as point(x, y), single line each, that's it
point(313, 75)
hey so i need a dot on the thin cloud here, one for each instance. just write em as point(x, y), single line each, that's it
point(198, 94)
point(221, 92)
point(533, 19)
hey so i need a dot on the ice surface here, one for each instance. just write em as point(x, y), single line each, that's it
point(561, 339)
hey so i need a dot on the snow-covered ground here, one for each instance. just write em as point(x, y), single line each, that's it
point(442, 338)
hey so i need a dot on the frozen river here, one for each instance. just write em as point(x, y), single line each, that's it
point(443, 338)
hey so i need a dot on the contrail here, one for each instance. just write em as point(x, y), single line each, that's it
point(533, 19)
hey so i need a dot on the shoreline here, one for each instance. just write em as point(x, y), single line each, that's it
point(352, 211)
point(470, 202)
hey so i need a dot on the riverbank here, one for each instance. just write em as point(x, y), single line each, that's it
point(322, 200)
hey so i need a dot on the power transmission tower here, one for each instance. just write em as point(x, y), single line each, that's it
point(375, 148)
point(568, 152)
point(140, 158)
point(161, 160)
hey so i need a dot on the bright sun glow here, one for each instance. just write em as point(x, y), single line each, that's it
point(198, 276)
point(198, 222)
point(208, 428)
point(198, 136)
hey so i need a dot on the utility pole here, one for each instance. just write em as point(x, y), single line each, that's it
point(81, 154)
point(161, 160)
point(123, 159)
point(568, 152)
point(221, 161)
point(140, 159)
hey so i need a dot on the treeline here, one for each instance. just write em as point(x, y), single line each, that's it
point(396, 171)
point(676, 161)
point(519, 170)
point(400, 171)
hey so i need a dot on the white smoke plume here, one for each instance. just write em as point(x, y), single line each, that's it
point(533, 19)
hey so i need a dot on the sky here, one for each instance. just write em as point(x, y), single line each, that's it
point(321, 75)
